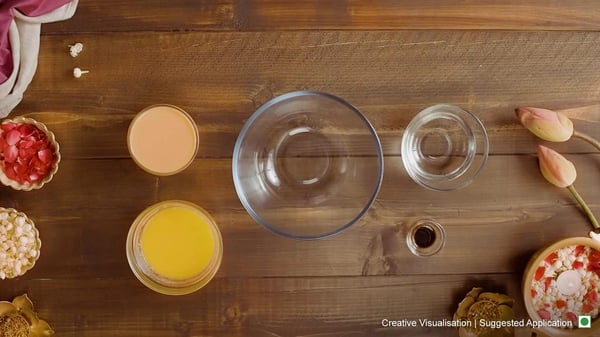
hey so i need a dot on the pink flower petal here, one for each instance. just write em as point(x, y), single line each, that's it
point(33, 177)
point(45, 156)
point(10, 172)
point(12, 137)
point(26, 152)
point(549, 125)
point(11, 153)
point(555, 168)
point(8, 126)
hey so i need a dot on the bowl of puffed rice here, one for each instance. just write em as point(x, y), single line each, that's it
point(561, 288)
point(19, 243)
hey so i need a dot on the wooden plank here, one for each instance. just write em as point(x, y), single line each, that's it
point(84, 213)
point(508, 213)
point(152, 15)
point(103, 135)
point(235, 72)
point(257, 307)
point(431, 14)
point(221, 78)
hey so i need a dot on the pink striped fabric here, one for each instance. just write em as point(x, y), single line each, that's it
point(31, 8)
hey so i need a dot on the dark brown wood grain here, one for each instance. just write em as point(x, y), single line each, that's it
point(220, 60)
point(265, 15)
point(215, 75)
point(85, 212)
point(260, 307)
point(221, 78)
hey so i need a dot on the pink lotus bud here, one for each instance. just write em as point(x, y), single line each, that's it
point(549, 125)
point(555, 168)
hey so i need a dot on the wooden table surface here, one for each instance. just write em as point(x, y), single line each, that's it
point(220, 60)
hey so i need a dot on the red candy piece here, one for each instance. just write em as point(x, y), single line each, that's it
point(550, 259)
point(26, 154)
point(544, 314)
point(539, 273)
point(587, 308)
point(591, 296)
point(547, 283)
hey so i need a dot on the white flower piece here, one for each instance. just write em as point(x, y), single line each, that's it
point(17, 242)
point(75, 49)
point(77, 72)
point(562, 253)
point(20, 221)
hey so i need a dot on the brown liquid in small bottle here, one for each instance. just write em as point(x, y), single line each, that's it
point(424, 237)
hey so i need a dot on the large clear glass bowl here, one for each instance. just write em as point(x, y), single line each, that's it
point(307, 165)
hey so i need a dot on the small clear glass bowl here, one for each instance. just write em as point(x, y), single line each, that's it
point(444, 147)
point(307, 165)
point(160, 283)
point(5, 180)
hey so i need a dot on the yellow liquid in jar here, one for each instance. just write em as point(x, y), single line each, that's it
point(177, 243)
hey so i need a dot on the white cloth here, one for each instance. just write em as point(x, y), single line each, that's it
point(24, 37)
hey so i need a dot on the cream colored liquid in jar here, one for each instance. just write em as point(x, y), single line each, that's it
point(163, 139)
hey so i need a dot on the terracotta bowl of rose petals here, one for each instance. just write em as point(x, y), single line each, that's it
point(29, 154)
point(561, 288)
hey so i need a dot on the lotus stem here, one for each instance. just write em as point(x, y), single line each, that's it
point(587, 138)
point(585, 207)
